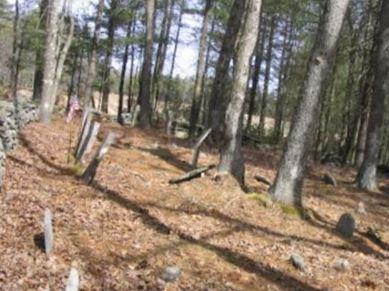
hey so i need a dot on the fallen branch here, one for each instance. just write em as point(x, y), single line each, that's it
point(191, 175)
point(263, 180)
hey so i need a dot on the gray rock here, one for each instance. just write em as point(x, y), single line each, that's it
point(329, 180)
point(346, 225)
point(342, 265)
point(171, 274)
point(73, 282)
point(361, 208)
point(297, 261)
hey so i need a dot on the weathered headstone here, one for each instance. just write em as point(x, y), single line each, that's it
point(88, 142)
point(90, 171)
point(73, 282)
point(346, 225)
point(84, 132)
point(48, 231)
point(171, 274)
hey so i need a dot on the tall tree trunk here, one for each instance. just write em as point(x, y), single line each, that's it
point(269, 54)
point(53, 8)
point(72, 78)
point(257, 70)
point(39, 62)
point(231, 156)
point(131, 77)
point(204, 95)
point(162, 48)
point(282, 78)
point(108, 57)
point(61, 60)
point(145, 113)
point(123, 73)
point(365, 86)
point(15, 51)
point(196, 101)
point(173, 63)
point(91, 75)
point(289, 181)
point(352, 124)
point(219, 94)
point(367, 175)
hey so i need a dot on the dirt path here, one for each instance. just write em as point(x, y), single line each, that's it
point(123, 230)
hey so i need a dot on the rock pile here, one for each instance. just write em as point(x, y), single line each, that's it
point(14, 115)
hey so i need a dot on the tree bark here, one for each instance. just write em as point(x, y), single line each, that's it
point(145, 113)
point(53, 8)
point(123, 73)
point(61, 61)
point(172, 66)
point(365, 86)
point(196, 100)
point(15, 51)
point(282, 78)
point(219, 93)
point(257, 70)
point(108, 57)
point(289, 181)
point(231, 156)
point(204, 95)
point(367, 175)
point(162, 48)
point(269, 54)
point(131, 77)
point(39, 61)
point(91, 75)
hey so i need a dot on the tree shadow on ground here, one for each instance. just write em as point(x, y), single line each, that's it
point(235, 258)
point(167, 156)
point(242, 261)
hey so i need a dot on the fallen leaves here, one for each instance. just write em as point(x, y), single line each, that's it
point(128, 226)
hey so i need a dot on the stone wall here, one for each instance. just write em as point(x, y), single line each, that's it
point(14, 115)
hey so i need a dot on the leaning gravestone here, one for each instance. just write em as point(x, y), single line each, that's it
point(346, 225)
point(90, 171)
point(48, 231)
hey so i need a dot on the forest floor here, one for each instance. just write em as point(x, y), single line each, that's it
point(122, 231)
